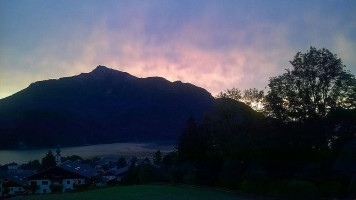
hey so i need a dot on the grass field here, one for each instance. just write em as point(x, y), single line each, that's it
point(140, 192)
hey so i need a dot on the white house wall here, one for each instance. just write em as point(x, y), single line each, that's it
point(15, 190)
point(42, 188)
point(68, 184)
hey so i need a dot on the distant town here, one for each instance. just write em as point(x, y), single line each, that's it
point(62, 174)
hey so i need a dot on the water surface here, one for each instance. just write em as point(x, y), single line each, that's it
point(140, 150)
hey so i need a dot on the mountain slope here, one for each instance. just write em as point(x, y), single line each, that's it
point(102, 106)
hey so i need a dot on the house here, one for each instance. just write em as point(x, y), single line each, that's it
point(58, 157)
point(12, 166)
point(54, 179)
point(13, 188)
point(79, 168)
point(114, 174)
point(14, 181)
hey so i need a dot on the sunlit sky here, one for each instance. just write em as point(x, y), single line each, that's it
point(212, 44)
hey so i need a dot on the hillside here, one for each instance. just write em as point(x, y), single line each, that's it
point(102, 106)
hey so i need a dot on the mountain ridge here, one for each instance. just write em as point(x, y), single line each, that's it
point(104, 105)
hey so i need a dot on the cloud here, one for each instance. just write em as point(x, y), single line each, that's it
point(211, 45)
point(189, 54)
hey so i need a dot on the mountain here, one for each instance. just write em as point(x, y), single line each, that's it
point(103, 106)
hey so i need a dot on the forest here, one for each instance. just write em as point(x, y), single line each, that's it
point(296, 140)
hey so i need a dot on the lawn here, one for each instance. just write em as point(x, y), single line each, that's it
point(140, 192)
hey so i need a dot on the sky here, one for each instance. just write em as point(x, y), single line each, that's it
point(216, 44)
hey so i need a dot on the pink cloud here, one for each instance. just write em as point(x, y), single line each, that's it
point(200, 51)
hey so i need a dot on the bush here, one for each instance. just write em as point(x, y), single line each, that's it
point(331, 188)
point(276, 188)
point(56, 188)
point(253, 186)
point(302, 187)
point(148, 174)
point(81, 186)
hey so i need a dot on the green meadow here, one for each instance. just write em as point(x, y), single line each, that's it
point(140, 192)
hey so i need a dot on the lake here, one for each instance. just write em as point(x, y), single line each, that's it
point(140, 150)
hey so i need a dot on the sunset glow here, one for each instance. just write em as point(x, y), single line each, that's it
point(214, 45)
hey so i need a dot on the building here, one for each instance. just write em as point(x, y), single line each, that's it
point(54, 179)
point(12, 166)
point(13, 188)
point(14, 181)
point(114, 174)
point(58, 157)
point(79, 168)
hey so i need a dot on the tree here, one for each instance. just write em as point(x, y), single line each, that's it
point(48, 161)
point(170, 159)
point(316, 84)
point(157, 160)
point(188, 140)
point(252, 97)
point(32, 165)
point(73, 158)
point(121, 162)
point(233, 93)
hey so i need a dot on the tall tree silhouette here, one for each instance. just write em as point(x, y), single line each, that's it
point(317, 83)
point(48, 161)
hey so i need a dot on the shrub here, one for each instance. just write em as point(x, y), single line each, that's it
point(253, 186)
point(276, 188)
point(331, 188)
point(56, 188)
point(301, 187)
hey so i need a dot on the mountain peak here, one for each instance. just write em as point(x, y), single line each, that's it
point(101, 68)
point(101, 72)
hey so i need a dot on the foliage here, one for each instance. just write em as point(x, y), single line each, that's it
point(131, 176)
point(330, 188)
point(170, 159)
point(48, 161)
point(253, 186)
point(251, 97)
point(238, 148)
point(32, 165)
point(301, 187)
point(148, 174)
point(56, 188)
point(316, 84)
point(233, 93)
point(157, 159)
point(254, 98)
point(190, 141)
point(33, 187)
point(72, 158)
point(121, 162)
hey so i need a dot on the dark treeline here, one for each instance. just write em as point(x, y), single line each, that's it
point(240, 149)
point(289, 146)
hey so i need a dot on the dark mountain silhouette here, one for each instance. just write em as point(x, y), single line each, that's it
point(102, 106)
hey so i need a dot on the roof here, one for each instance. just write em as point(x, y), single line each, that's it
point(12, 164)
point(10, 183)
point(19, 176)
point(55, 173)
point(78, 168)
point(347, 159)
point(117, 172)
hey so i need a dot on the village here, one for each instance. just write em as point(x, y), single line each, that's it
point(68, 174)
